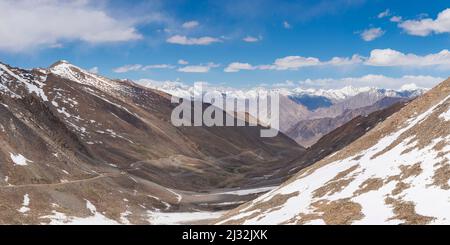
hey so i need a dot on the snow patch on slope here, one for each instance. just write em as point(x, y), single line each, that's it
point(26, 203)
point(32, 86)
point(445, 116)
point(179, 218)
point(19, 159)
point(96, 218)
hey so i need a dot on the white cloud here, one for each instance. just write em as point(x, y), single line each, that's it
point(139, 67)
point(194, 69)
point(251, 39)
point(295, 63)
point(183, 40)
point(372, 34)
point(285, 84)
point(183, 62)
point(93, 70)
point(390, 57)
point(158, 66)
point(128, 68)
point(236, 66)
point(378, 57)
point(162, 85)
point(56, 45)
point(385, 13)
point(396, 19)
point(291, 63)
point(26, 24)
point(341, 61)
point(190, 24)
point(286, 25)
point(425, 27)
point(198, 68)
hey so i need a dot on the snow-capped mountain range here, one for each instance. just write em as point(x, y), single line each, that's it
point(185, 91)
point(305, 114)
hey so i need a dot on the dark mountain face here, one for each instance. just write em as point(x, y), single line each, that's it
point(71, 139)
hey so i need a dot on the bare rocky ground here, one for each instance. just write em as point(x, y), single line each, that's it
point(308, 132)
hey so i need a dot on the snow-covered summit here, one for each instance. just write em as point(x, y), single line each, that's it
point(66, 70)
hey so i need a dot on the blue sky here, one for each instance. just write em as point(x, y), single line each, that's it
point(270, 42)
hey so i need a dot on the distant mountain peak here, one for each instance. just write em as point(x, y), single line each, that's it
point(60, 62)
point(179, 89)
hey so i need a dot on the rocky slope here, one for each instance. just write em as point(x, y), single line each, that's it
point(78, 147)
point(308, 132)
point(398, 173)
point(346, 105)
point(343, 105)
point(337, 140)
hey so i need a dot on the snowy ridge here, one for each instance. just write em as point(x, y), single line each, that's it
point(76, 74)
point(181, 90)
point(32, 83)
point(336, 94)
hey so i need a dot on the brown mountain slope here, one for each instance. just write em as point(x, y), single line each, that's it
point(308, 132)
point(78, 145)
point(291, 113)
point(338, 139)
point(395, 174)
